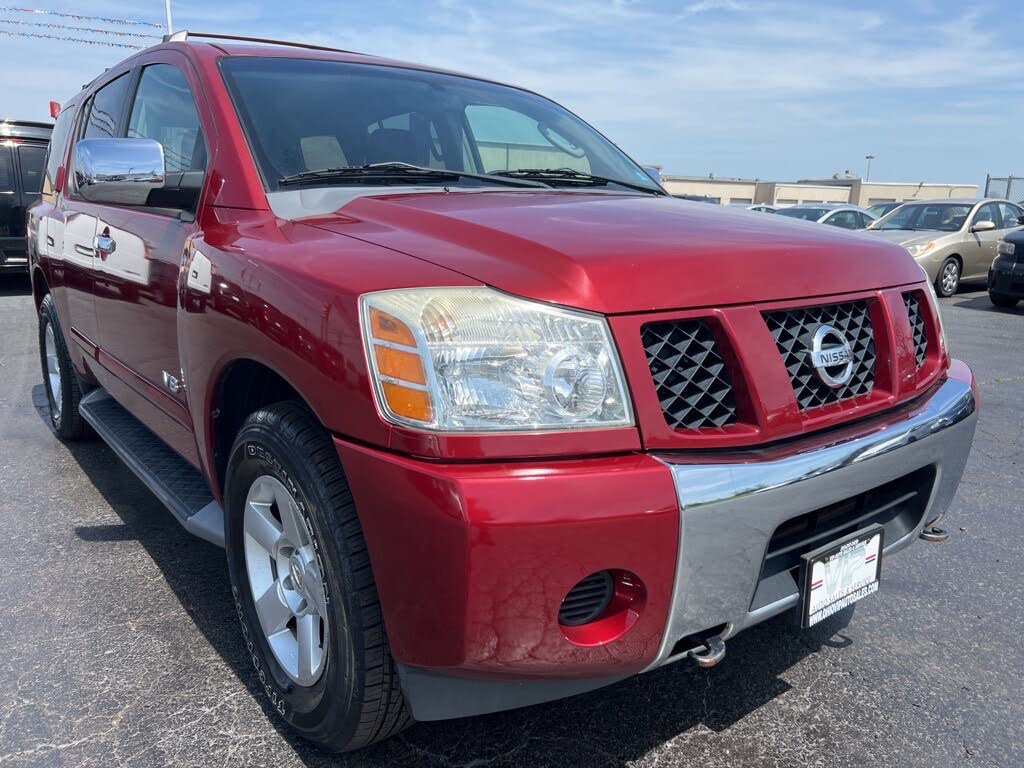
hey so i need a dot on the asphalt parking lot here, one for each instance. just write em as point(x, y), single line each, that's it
point(121, 647)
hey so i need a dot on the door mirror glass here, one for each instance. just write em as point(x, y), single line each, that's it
point(983, 226)
point(118, 171)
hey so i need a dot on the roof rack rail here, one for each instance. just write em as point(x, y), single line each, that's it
point(183, 36)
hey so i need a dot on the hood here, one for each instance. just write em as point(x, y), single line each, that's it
point(907, 237)
point(615, 253)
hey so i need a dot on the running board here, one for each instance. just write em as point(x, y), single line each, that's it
point(174, 481)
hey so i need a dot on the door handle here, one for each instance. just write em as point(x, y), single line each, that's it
point(85, 250)
point(49, 241)
point(105, 245)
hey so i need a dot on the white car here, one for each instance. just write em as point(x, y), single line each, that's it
point(834, 214)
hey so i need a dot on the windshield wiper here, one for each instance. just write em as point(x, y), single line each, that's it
point(573, 177)
point(396, 172)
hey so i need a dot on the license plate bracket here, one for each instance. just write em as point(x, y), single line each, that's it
point(840, 573)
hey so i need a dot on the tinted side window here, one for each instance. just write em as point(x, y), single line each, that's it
point(165, 112)
point(57, 151)
point(30, 162)
point(107, 109)
point(844, 219)
point(7, 187)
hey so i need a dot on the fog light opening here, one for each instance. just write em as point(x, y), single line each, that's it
point(602, 607)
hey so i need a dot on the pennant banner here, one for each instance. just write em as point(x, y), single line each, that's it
point(97, 30)
point(109, 43)
point(82, 17)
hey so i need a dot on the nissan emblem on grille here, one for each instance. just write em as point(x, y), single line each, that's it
point(833, 363)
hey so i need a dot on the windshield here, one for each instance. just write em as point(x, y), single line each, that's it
point(807, 214)
point(303, 115)
point(945, 217)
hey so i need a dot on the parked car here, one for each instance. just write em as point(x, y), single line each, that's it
point(1006, 275)
point(878, 210)
point(834, 214)
point(22, 148)
point(952, 240)
point(762, 208)
point(470, 437)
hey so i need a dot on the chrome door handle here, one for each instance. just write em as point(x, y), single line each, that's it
point(85, 250)
point(105, 244)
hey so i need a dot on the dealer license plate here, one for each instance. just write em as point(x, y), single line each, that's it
point(841, 573)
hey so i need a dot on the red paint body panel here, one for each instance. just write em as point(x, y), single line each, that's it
point(495, 548)
point(474, 539)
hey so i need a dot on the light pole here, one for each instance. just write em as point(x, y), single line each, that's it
point(167, 7)
point(869, 158)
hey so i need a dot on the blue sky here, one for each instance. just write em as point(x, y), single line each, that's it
point(774, 89)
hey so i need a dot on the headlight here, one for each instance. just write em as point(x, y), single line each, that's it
point(1005, 248)
point(476, 360)
point(917, 250)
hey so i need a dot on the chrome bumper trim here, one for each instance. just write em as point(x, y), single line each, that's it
point(729, 505)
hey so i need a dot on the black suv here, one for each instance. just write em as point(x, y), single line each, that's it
point(22, 154)
point(1006, 275)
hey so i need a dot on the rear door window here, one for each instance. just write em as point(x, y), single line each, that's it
point(1011, 215)
point(7, 179)
point(30, 164)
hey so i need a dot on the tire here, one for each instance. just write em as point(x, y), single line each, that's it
point(1001, 300)
point(60, 382)
point(284, 468)
point(948, 280)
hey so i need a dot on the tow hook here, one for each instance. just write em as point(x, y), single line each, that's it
point(934, 534)
point(712, 652)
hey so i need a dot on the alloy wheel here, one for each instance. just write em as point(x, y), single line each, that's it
point(285, 580)
point(53, 370)
point(950, 278)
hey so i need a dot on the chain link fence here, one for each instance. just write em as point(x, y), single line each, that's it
point(1010, 187)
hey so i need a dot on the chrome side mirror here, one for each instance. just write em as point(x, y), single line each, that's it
point(118, 171)
point(983, 226)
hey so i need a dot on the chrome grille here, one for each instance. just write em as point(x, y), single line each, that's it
point(793, 330)
point(690, 375)
point(913, 304)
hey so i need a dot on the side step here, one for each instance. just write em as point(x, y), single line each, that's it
point(174, 481)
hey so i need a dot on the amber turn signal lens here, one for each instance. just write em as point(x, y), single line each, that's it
point(387, 328)
point(407, 402)
point(398, 364)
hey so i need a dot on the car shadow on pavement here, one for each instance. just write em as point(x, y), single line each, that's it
point(610, 727)
point(15, 285)
point(981, 302)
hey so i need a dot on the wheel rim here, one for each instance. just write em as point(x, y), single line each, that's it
point(285, 580)
point(52, 370)
point(950, 277)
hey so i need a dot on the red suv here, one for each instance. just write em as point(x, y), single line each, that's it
point(482, 416)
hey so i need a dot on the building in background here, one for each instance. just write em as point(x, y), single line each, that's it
point(844, 189)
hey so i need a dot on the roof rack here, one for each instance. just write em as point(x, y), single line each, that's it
point(183, 36)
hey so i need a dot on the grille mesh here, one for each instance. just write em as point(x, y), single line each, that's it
point(690, 375)
point(913, 304)
point(587, 600)
point(793, 329)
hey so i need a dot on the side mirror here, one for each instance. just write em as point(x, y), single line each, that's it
point(983, 226)
point(118, 171)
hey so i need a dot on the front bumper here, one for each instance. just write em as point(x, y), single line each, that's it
point(1006, 278)
point(472, 561)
